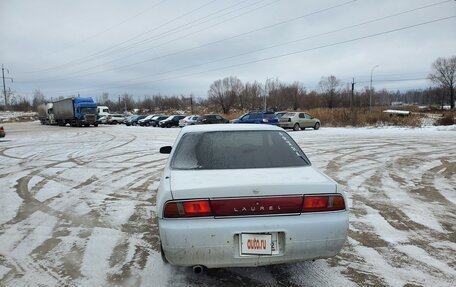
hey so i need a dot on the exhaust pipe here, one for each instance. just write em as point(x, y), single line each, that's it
point(198, 269)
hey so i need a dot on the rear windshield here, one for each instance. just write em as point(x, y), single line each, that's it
point(237, 150)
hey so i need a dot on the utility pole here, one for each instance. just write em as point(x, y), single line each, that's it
point(265, 91)
point(4, 87)
point(352, 98)
point(370, 92)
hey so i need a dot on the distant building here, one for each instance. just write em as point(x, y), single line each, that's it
point(397, 104)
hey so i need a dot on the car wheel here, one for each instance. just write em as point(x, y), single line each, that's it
point(147, 124)
point(317, 126)
point(168, 125)
point(134, 124)
point(114, 122)
point(95, 125)
point(162, 253)
point(296, 127)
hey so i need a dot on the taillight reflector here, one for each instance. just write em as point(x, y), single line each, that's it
point(323, 203)
point(253, 206)
point(194, 208)
point(257, 206)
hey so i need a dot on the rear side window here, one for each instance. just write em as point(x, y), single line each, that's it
point(301, 115)
point(237, 150)
point(290, 115)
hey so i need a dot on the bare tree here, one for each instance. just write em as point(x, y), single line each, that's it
point(444, 74)
point(251, 95)
point(330, 87)
point(38, 98)
point(272, 92)
point(224, 93)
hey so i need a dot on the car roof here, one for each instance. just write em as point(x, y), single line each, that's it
point(229, 127)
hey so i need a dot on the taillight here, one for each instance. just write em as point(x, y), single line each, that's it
point(253, 206)
point(315, 203)
point(194, 208)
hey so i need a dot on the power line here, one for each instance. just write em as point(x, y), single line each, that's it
point(107, 50)
point(393, 80)
point(185, 25)
point(279, 55)
point(113, 26)
point(272, 46)
point(97, 53)
point(207, 44)
point(191, 24)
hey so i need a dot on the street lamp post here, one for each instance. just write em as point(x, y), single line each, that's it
point(370, 91)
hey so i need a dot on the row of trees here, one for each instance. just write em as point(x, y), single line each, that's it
point(230, 94)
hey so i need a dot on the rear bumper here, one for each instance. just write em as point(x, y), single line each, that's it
point(215, 242)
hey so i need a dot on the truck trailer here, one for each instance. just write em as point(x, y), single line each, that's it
point(76, 112)
point(46, 114)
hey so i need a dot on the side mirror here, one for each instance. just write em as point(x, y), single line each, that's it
point(166, 149)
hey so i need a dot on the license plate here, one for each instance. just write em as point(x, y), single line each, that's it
point(259, 244)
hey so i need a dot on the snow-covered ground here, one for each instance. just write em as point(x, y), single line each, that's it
point(77, 208)
point(16, 116)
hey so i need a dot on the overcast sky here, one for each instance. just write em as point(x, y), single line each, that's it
point(174, 47)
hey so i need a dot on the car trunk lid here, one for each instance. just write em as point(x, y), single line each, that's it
point(255, 182)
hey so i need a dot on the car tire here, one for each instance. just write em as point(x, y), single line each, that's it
point(95, 125)
point(317, 126)
point(163, 256)
point(114, 122)
point(147, 124)
point(296, 127)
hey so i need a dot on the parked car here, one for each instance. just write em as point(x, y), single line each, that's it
point(299, 120)
point(114, 119)
point(2, 132)
point(171, 121)
point(155, 120)
point(257, 118)
point(133, 120)
point(223, 201)
point(146, 120)
point(212, 119)
point(103, 120)
point(278, 115)
point(188, 121)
